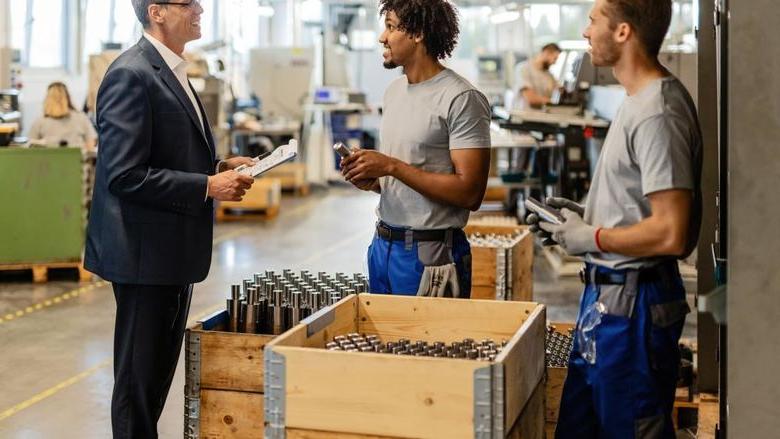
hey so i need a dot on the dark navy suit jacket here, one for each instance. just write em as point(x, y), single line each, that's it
point(150, 222)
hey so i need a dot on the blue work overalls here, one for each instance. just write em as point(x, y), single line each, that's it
point(628, 391)
point(396, 267)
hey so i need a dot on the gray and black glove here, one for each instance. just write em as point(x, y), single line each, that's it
point(575, 236)
point(556, 202)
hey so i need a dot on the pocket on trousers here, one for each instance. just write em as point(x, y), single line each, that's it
point(614, 346)
point(618, 299)
point(433, 253)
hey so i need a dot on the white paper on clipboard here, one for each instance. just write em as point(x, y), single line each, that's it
point(280, 155)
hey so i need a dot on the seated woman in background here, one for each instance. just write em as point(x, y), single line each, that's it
point(61, 124)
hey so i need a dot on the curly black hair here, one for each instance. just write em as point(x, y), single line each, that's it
point(435, 20)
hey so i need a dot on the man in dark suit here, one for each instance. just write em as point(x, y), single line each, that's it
point(151, 223)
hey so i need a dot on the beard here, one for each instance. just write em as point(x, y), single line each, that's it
point(389, 65)
point(608, 54)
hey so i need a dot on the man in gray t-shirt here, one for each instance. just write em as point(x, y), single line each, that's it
point(534, 83)
point(433, 161)
point(643, 212)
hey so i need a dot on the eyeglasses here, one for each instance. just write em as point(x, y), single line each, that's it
point(181, 3)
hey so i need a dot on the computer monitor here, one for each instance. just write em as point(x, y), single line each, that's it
point(587, 72)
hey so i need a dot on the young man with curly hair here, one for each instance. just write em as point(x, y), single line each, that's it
point(642, 213)
point(434, 157)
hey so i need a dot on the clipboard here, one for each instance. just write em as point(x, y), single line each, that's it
point(280, 155)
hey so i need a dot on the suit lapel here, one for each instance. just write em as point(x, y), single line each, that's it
point(169, 78)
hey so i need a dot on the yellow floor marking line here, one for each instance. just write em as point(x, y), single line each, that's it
point(105, 363)
point(49, 302)
point(81, 290)
point(52, 390)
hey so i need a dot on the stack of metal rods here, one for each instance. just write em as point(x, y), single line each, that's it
point(485, 350)
point(271, 302)
point(558, 347)
point(494, 241)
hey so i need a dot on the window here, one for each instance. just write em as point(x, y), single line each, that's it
point(574, 20)
point(545, 21)
point(38, 30)
point(96, 27)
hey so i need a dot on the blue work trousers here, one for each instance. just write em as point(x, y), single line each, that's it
point(628, 392)
point(396, 267)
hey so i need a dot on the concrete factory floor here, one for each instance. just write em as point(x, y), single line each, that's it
point(56, 360)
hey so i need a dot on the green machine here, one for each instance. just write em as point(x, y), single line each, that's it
point(42, 214)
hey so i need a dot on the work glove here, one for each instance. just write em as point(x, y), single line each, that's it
point(575, 236)
point(533, 219)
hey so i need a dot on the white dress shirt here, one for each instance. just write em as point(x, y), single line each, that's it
point(179, 67)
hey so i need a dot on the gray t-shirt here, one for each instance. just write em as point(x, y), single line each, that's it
point(74, 129)
point(421, 123)
point(540, 81)
point(654, 144)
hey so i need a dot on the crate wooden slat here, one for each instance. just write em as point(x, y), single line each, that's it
point(487, 265)
point(402, 396)
point(228, 414)
point(529, 425)
point(232, 361)
point(261, 201)
point(224, 381)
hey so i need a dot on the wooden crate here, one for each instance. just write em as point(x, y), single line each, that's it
point(496, 193)
point(498, 273)
point(223, 394)
point(262, 202)
point(556, 376)
point(309, 388)
point(292, 177)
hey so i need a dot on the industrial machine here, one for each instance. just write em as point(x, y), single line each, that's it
point(281, 78)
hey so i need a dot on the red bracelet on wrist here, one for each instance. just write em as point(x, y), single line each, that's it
point(598, 241)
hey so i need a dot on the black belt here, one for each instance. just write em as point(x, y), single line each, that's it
point(662, 272)
point(389, 234)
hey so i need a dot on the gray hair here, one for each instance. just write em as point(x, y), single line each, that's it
point(141, 8)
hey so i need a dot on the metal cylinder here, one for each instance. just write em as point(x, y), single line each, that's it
point(235, 314)
point(231, 316)
point(242, 316)
point(250, 320)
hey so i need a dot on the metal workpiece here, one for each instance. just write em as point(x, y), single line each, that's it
point(242, 317)
point(485, 350)
point(272, 302)
point(251, 318)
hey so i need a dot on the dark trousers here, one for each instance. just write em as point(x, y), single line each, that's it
point(150, 323)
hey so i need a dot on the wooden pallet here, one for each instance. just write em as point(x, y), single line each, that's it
point(292, 177)
point(261, 202)
point(40, 271)
point(240, 214)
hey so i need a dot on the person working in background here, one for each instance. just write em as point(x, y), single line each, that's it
point(535, 84)
point(152, 219)
point(61, 124)
point(643, 212)
point(434, 157)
